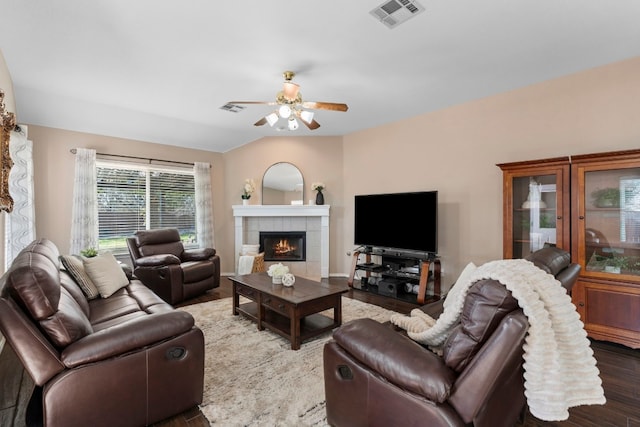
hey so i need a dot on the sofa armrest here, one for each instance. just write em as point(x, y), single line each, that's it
point(39, 358)
point(569, 276)
point(397, 358)
point(126, 337)
point(199, 254)
point(157, 260)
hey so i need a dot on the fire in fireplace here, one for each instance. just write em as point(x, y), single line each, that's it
point(283, 245)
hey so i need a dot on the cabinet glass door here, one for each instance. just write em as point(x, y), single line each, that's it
point(534, 213)
point(611, 234)
point(535, 197)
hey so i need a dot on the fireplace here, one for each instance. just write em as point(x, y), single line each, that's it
point(313, 219)
point(284, 245)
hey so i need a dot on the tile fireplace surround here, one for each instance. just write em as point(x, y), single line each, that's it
point(314, 219)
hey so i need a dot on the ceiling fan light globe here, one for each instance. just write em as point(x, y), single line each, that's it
point(307, 116)
point(293, 124)
point(272, 119)
point(284, 111)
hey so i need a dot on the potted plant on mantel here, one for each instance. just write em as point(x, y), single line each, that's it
point(247, 190)
point(319, 186)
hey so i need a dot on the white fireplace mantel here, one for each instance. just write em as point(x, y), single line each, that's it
point(240, 212)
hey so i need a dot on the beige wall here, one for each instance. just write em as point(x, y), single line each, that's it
point(318, 158)
point(54, 168)
point(453, 151)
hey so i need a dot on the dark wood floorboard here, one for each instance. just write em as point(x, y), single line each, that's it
point(619, 367)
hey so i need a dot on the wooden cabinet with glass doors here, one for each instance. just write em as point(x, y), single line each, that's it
point(596, 202)
point(606, 242)
point(535, 206)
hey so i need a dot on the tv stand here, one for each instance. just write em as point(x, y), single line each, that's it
point(392, 270)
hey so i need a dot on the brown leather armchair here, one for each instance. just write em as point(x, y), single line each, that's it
point(376, 376)
point(161, 262)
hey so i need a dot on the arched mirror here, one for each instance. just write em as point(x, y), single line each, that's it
point(282, 184)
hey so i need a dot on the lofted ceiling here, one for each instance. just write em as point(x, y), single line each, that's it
point(159, 71)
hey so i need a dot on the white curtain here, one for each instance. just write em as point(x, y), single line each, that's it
point(84, 214)
point(20, 224)
point(204, 204)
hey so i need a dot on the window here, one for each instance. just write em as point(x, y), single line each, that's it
point(630, 209)
point(134, 197)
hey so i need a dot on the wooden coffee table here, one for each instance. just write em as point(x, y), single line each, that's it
point(293, 312)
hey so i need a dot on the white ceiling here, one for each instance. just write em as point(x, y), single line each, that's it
point(159, 71)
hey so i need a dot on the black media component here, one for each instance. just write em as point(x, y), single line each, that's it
point(390, 287)
point(402, 221)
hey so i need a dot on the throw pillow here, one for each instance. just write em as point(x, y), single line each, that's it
point(250, 250)
point(105, 271)
point(75, 268)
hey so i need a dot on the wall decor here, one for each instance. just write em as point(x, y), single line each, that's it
point(7, 124)
point(282, 184)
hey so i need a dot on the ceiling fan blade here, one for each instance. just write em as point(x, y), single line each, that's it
point(254, 102)
point(260, 122)
point(313, 125)
point(325, 106)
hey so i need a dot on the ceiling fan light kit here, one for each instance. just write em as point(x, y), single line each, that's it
point(306, 116)
point(290, 91)
point(271, 119)
point(284, 111)
point(290, 106)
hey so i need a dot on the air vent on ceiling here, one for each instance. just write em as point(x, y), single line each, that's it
point(232, 108)
point(394, 12)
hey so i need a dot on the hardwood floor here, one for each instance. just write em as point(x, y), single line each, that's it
point(619, 367)
point(620, 373)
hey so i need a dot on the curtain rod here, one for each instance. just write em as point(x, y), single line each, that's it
point(74, 151)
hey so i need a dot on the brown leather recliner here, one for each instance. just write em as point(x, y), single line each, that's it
point(557, 262)
point(376, 376)
point(127, 360)
point(162, 263)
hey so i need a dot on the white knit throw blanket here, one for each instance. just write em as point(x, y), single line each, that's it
point(560, 370)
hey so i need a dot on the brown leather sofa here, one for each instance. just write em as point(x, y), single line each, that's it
point(376, 376)
point(126, 360)
point(161, 262)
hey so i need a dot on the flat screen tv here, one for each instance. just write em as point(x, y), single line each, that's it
point(398, 220)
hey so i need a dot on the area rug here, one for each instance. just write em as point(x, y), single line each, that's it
point(253, 378)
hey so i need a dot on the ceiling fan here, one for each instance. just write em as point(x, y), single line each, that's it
point(291, 107)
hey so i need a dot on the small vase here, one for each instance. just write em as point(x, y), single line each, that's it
point(245, 202)
point(319, 198)
point(276, 280)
